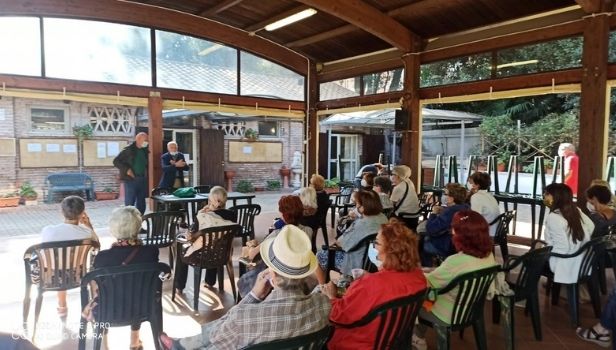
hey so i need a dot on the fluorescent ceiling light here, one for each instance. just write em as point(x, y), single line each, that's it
point(291, 19)
point(519, 63)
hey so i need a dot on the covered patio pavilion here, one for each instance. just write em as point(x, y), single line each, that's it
point(354, 43)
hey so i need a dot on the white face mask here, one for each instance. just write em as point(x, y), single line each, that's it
point(373, 256)
point(590, 207)
point(364, 183)
point(144, 144)
point(173, 153)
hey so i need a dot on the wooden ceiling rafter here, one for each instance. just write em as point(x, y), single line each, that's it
point(369, 19)
point(261, 24)
point(342, 29)
point(219, 8)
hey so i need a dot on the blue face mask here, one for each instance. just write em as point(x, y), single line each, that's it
point(373, 256)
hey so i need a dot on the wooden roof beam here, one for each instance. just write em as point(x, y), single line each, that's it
point(260, 25)
point(370, 19)
point(596, 6)
point(219, 8)
point(348, 28)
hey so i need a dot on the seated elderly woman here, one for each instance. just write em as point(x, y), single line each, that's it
point(124, 225)
point(382, 186)
point(404, 196)
point(308, 196)
point(370, 211)
point(76, 226)
point(291, 209)
point(212, 215)
point(602, 215)
point(472, 242)
point(436, 232)
point(395, 253)
point(481, 200)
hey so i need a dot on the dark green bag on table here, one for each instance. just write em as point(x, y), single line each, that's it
point(185, 192)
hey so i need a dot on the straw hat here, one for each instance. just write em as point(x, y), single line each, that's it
point(289, 254)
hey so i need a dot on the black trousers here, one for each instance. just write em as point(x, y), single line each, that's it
point(181, 275)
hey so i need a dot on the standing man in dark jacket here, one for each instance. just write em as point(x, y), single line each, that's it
point(133, 165)
point(174, 165)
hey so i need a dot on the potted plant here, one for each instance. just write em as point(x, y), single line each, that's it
point(9, 199)
point(331, 185)
point(106, 194)
point(251, 135)
point(28, 193)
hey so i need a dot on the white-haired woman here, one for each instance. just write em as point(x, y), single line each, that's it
point(404, 195)
point(124, 225)
point(212, 215)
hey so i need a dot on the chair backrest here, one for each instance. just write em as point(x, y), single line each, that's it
point(246, 217)
point(344, 196)
point(591, 250)
point(396, 321)
point(203, 188)
point(471, 295)
point(532, 265)
point(502, 225)
point(126, 294)
point(161, 227)
point(62, 264)
point(217, 243)
point(311, 341)
point(159, 191)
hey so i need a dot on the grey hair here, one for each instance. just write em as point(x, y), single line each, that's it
point(308, 196)
point(125, 222)
point(568, 146)
point(171, 143)
point(286, 283)
point(73, 207)
point(403, 171)
point(220, 194)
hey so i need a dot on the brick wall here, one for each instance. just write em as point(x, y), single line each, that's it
point(17, 124)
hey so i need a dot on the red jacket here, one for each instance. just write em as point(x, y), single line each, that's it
point(364, 295)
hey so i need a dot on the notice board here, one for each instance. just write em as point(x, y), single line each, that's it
point(7, 147)
point(47, 153)
point(101, 152)
point(255, 152)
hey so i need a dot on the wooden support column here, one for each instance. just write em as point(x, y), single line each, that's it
point(592, 149)
point(410, 151)
point(155, 133)
point(312, 124)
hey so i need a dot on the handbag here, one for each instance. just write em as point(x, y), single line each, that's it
point(185, 192)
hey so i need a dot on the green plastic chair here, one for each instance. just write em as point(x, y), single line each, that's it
point(468, 307)
point(311, 341)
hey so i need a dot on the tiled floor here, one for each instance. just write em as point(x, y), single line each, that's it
point(181, 321)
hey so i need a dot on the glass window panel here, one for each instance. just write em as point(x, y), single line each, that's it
point(48, 119)
point(339, 89)
point(97, 51)
point(547, 56)
point(21, 37)
point(376, 83)
point(263, 78)
point(612, 48)
point(186, 62)
point(456, 70)
point(268, 128)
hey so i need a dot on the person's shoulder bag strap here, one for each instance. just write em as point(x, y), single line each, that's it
point(399, 204)
point(130, 256)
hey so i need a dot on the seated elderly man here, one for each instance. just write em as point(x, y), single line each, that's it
point(276, 308)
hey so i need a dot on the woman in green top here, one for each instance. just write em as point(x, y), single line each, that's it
point(472, 241)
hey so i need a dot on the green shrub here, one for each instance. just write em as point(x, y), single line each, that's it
point(244, 186)
point(273, 185)
point(27, 191)
point(332, 183)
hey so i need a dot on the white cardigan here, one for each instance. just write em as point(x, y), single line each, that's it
point(557, 235)
point(485, 204)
